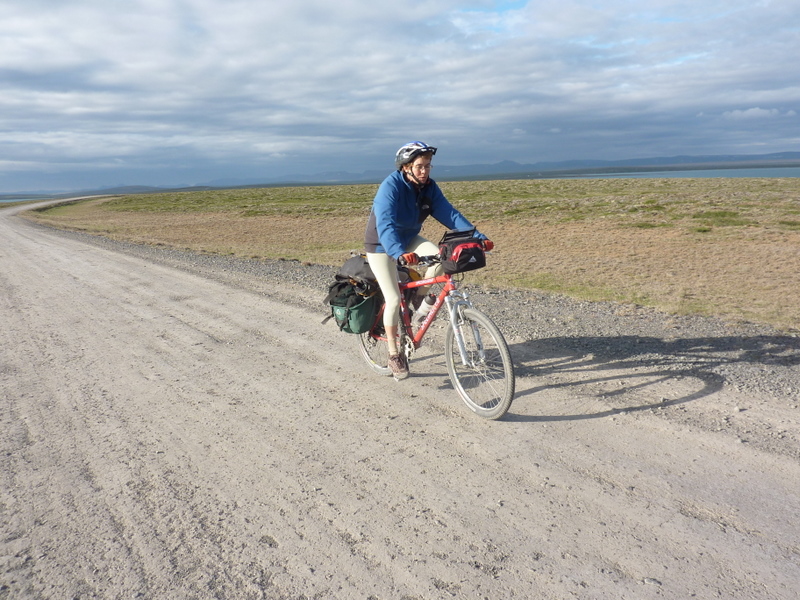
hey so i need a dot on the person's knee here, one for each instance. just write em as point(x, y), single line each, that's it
point(423, 247)
point(391, 311)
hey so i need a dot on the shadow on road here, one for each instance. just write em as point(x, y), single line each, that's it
point(633, 363)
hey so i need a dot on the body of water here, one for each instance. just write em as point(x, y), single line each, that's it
point(767, 172)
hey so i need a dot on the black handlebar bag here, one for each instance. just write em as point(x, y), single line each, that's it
point(461, 251)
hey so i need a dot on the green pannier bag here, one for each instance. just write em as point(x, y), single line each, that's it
point(354, 296)
point(354, 313)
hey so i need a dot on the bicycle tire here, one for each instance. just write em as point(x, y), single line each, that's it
point(486, 385)
point(375, 352)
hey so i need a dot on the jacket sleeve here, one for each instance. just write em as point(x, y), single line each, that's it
point(386, 207)
point(447, 214)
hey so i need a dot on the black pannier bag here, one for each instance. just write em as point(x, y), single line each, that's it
point(354, 296)
point(461, 251)
point(357, 269)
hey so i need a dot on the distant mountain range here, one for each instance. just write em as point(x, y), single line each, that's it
point(506, 169)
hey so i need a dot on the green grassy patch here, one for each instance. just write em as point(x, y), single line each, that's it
point(550, 282)
point(253, 202)
point(648, 225)
point(723, 218)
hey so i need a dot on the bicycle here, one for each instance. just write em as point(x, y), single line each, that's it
point(477, 356)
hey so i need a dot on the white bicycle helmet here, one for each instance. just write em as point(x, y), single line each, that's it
point(410, 151)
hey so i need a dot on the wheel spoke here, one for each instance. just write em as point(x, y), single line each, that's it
point(486, 381)
point(375, 352)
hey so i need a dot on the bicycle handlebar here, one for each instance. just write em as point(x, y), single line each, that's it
point(424, 261)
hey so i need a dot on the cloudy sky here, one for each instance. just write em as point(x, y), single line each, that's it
point(167, 92)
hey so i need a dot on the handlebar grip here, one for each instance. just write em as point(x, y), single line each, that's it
point(430, 260)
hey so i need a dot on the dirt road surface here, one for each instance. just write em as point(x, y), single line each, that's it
point(165, 434)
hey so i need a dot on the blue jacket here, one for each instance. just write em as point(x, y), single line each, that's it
point(399, 210)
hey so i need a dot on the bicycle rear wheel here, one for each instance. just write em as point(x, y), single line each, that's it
point(375, 352)
point(486, 382)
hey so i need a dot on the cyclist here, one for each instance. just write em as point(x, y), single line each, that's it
point(404, 200)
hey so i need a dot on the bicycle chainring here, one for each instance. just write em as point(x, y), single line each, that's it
point(408, 347)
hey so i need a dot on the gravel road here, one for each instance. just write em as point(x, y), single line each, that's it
point(176, 425)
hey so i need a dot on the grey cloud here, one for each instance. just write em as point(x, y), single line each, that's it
point(134, 88)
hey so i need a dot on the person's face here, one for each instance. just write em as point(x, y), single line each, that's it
point(420, 168)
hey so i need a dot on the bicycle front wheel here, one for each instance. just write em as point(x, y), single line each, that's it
point(486, 381)
point(375, 352)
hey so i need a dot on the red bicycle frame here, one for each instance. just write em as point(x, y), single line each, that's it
point(416, 338)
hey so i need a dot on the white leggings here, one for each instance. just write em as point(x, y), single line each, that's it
point(384, 267)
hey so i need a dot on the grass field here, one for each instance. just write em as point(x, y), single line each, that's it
point(724, 247)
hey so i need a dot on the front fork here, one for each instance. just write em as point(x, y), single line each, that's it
point(456, 302)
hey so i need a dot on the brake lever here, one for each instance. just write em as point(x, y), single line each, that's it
point(427, 261)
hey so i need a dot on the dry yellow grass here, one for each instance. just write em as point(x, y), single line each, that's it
point(724, 247)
